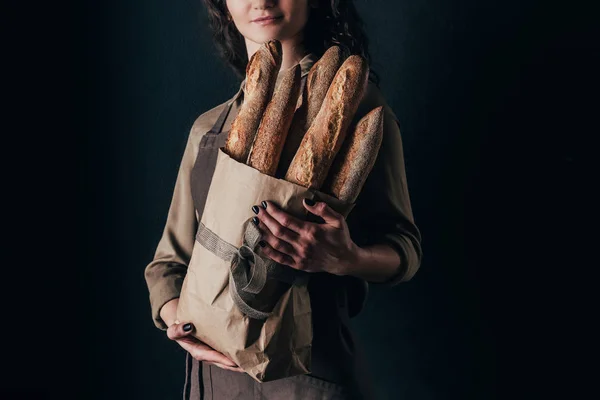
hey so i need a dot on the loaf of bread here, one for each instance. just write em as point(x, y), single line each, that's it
point(275, 123)
point(324, 138)
point(356, 158)
point(318, 80)
point(261, 75)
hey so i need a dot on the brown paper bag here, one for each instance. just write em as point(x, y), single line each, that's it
point(255, 311)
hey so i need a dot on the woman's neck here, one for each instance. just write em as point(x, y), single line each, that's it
point(293, 52)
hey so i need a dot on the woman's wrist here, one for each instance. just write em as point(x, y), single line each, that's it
point(168, 311)
point(375, 263)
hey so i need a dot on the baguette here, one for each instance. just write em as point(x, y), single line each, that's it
point(318, 81)
point(275, 123)
point(324, 138)
point(261, 75)
point(356, 158)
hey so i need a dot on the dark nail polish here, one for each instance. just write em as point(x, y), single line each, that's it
point(262, 243)
point(255, 209)
point(309, 202)
point(264, 205)
point(187, 327)
point(255, 221)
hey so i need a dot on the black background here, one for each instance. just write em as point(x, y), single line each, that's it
point(495, 100)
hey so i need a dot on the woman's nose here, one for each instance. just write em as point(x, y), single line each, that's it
point(262, 4)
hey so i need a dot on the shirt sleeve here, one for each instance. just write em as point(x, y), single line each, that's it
point(383, 212)
point(165, 273)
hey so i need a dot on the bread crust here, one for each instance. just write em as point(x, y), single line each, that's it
point(261, 75)
point(356, 158)
point(275, 124)
point(324, 138)
point(318, 80)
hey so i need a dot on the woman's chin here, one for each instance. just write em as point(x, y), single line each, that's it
point(267, 34)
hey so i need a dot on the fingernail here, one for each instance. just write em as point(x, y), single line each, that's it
point(262, 243)
point(309, 202)
point(187, 327)
point(255, 221)
point(264, 205)
point(255, 209)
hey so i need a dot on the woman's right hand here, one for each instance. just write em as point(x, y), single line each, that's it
point(197, 349)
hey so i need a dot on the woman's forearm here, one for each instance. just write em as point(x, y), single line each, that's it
point(375, 263)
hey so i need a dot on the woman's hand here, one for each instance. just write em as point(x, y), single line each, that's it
point(199, 350)
point(303, 245)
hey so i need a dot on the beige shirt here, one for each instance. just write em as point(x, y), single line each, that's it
point(382, 213)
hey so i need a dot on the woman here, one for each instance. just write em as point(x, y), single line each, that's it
point(378, 243)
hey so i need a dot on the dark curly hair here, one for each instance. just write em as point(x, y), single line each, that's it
point(334, 22)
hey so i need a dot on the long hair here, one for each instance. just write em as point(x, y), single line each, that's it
point(334, 22)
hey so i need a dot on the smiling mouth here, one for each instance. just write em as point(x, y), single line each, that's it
point(268, 19)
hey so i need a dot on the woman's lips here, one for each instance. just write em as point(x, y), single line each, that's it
point(268, 21)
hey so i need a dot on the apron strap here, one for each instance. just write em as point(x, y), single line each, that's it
point(217, 128)
point(206, 160)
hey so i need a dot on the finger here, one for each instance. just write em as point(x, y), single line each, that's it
point(329, 215)
point(177, 331)
point(275, 227)
point(219, 358)
point(198, 349)
point(203, 352)
point(285, 219)
point(280, 245)
point(188, 346)
point(236, 369)
point(276, 256)
point(210, 354)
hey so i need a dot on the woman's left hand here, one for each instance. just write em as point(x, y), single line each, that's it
point(304, 245)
